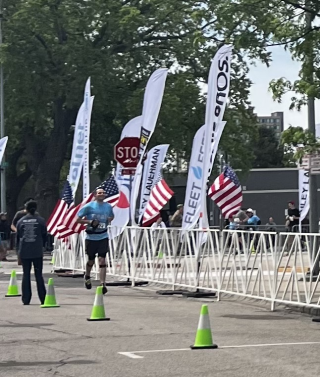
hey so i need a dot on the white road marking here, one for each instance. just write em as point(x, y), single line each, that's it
point(271, 345)
point(133, 354)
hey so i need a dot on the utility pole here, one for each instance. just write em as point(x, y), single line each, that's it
point(313, 200)
point(313, 212)
point(2, 130)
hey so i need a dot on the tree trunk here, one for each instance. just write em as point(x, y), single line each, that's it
point(47, 164)
point(15, 182)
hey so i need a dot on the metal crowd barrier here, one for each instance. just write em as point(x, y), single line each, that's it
point(275, 267)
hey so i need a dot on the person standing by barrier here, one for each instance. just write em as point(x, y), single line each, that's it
point(31, 240)
point(292, 222)
point(157, 235)
point(176, 222)
point(97, 215)
point(271, 227)
point(5, 233)
point(292, 219)
point(19, 215)
point(253, 223)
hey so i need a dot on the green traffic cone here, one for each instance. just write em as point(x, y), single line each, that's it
point(52, 260)
point(98, 313)
point(13, 287)
point(50, 300)
point(204, 336)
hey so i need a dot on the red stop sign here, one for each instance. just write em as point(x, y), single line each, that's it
point(126, 152)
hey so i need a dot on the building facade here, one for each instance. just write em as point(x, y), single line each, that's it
point(266, 191)
point(274, 121)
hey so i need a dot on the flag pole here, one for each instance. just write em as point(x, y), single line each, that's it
point(2, 129)
point(221, 170)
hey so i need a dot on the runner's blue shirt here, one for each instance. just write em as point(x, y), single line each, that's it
point(100, 212)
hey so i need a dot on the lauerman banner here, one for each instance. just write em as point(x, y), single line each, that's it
point(304, 202)
point(122, 209)
point(303, 194)
point(151, 170)
point(151, 107)
point(131, 129)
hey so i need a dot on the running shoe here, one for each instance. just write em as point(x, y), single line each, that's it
point(104, 289)
point(87, 282)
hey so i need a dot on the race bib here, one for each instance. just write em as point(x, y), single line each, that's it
point(102, 226)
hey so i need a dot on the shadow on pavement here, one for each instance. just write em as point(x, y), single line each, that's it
point(257, 317)
point(6, 364)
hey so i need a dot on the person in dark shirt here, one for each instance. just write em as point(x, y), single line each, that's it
point(293, 218)
point(31, 239)
point(5, 234)
point(19, 215)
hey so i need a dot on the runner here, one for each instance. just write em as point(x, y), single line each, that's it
point(96, 215)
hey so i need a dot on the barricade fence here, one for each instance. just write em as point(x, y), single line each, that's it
point(269, 266)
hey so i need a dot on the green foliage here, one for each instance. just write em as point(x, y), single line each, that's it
point(267, 151)
point(299, 142)
point(52, 46)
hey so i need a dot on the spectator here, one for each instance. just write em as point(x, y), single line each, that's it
point(5, 233)
point(19, 215)
point(253, 220)
point(176, 220)
point(243, 218)
point(271, 225)
point(158, 224)
point(292, 219)
point(2, 253)
point(156, 234)
point(234, 223)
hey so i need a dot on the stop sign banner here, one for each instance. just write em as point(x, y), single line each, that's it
point(126, 152)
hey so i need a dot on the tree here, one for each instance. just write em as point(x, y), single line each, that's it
point(299, 142)
point(287, 23)
point(267, 151)
point(52, 46)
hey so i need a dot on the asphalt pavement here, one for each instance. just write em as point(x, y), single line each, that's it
point(149, 335)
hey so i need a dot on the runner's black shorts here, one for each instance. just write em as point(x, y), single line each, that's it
point(100, 248)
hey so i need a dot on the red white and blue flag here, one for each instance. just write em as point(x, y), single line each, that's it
point(159, 197)
point(226, 192)
point(64, 204)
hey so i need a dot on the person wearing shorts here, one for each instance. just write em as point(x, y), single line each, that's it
point(96, 215)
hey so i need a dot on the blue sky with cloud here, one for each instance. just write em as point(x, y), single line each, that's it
point(281, 66)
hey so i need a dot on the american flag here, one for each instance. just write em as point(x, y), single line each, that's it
point(226, 192)
point(61, 208)
point(69, 224)
point(159, 197)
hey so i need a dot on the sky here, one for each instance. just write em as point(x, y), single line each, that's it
point(281, 66)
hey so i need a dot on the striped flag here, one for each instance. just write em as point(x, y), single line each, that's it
point(226, 192)
point(159, 197)
point(61, 208)
point(69, 224)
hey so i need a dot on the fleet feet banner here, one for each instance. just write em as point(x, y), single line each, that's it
point(192, 203)
point(151, 171)
point(217, 97)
